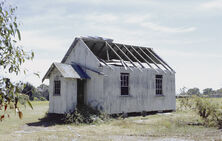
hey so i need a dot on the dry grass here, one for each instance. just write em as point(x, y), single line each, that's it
point(169, 126)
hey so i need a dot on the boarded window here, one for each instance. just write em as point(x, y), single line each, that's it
point(57, 87)
point(159, 84)
point(124, 79)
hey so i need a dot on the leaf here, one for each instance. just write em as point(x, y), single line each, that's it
point(20, 114)
point(37, 74)
point(15, 24)
point(2, 117)
point(32, 55)
point(6, 106)
point(19, 35)
point(30, 105)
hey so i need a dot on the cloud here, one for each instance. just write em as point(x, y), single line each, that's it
point(107, 2)
point(35, 40)
point(161, 28)
point(216, 4)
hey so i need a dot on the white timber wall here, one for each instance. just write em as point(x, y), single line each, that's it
point(142, 94)
point(67, 99)
point(102, 92)
point(82, 55)
point(94, 92)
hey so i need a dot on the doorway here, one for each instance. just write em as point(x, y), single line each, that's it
point(80, 92)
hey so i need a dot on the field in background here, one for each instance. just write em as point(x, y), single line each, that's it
point(178, 125)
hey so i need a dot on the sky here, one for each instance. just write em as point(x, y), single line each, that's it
point(186, 34)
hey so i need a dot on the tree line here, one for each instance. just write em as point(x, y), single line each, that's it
point(206, 92)
point(40, 93)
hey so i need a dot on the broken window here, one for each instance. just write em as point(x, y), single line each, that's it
point(57, 87)
point(159, 84)
point(124, 79)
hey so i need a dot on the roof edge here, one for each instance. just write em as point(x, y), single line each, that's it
point(70, 49)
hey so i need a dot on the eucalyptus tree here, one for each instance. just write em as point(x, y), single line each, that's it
point(12, 56)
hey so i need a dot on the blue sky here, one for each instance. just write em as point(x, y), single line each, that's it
point(187, 34)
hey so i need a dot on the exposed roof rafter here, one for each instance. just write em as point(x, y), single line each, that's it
point(123, 63)
point(142, 58)
point(151, 59)
point(127, 56)
point(158, 59)
point(134, 56)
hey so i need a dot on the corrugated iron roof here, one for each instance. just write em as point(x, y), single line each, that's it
point(68, 71)
point(80, 71)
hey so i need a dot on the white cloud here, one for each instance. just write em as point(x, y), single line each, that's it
point(107, 2)
point(35, 40)
point(136, 18)
point(161, 28)
point(101, 18)
point(215, 4)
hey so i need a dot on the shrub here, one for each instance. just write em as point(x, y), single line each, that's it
point(35, 99)
point(186, 103)
point(209, 112)
point(85, 114)
point(42, 99)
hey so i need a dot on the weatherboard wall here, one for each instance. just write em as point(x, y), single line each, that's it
point(81, 54)
point(142, 94)
point(67, 99)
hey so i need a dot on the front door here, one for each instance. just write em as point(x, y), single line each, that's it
point(80, 92)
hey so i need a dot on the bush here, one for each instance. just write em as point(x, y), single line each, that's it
point(85, 114)
point(209, 112)
point(42, 99)
point(35, 99)
point(186, 103)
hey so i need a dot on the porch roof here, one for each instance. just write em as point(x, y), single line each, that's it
point(67, 71)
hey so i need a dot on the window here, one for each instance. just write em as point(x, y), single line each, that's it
point(57, 87)
point(124, 79)
point(159, 84)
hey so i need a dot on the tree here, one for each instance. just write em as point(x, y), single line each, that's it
point(44, 90)
point(183, 91)
point(219, 91)
point(193, 91)
point(12, 56)
point(208, 91)
point(29, 90)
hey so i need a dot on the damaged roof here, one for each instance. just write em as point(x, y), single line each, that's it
point(109, 52)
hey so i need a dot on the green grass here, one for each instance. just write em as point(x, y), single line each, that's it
point(176, 125)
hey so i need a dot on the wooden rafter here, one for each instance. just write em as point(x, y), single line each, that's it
point(106, 64)
point(163, 61)
point(142, 58)
point(121, 60)
point(134, 56)
point(151, 59)
point(157, 59)
point(126, 56)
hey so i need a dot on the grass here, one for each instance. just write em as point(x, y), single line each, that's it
point(178, 125)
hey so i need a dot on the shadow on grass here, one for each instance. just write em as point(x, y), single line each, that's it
point(85, 115)
point(49, 120)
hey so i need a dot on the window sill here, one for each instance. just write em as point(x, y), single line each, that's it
point(159, 95)
point(125, 96)
point(56, 95)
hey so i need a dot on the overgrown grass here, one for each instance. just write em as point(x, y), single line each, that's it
point(178, 125)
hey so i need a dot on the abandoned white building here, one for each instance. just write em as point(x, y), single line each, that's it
point(111, 77)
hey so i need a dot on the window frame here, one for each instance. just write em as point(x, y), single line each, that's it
point(159, 84)
point(124, 84)
point(57, 88)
